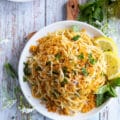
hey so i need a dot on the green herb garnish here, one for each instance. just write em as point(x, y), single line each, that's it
point(24, 78)
point(55, 93)
point(38, 68)
point(99, 11)
point(55, 72)
point(75, 38)
point(115, 82)
point(27, 70)
point(81, 56)
point(10, 70)
point(65, 81)
point(65, 71)
point(48, 63)
point(91, 59)
point(84, 71)
point(58, 56)
point(99, 99)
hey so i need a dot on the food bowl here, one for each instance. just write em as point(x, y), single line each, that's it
point(92, 31)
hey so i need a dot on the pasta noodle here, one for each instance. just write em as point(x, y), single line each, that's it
point(66, 71)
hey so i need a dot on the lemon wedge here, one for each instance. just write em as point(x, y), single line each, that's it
point(113, 65)
point(107, 44)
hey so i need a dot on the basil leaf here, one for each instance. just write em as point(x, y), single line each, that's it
point(91, 59)
point(75, 38)
point(27, 70)
point(65, 81)
point(112, 91)
point(10, 70)
point(65, 71)
point(38, 68)
point(99, 99)
point(55, 93)
point(55, 72)
point(58, 56)
point(84, 71)
point(81, 56)
point(24, 78)
point(103, 89)
point(48, 63)
point(115, 82)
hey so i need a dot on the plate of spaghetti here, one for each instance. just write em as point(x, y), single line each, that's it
point(63, 71)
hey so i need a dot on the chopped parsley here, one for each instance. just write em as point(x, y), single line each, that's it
point(38, 68)
point(81, 56)
point(91, 59)
point(58, 56)
point(84, 71)
point(55, 93)
point(55, 72)
point(75, 38)
point(65, 81)
point(48, 63)
point(27, 70)
point(24, 78)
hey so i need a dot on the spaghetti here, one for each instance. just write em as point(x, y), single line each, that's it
point(66, 69)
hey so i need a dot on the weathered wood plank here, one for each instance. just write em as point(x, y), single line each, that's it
point(19, 19)
point(16, 21)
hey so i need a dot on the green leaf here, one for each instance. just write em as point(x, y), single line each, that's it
point(75, 38)
point(55, 72)
point(48, 63)
point(81, 56)
point(115, 82)
point(91, 59)
point(112, 91)
point(98, 15)
point(84, 71)
point(10, 70)
point(99, 99)
point(24, 78)
point(103, 89)
point(27, 70)
point(38, 68)
point(86, 5)
point(58, 56)
point(75, 28)
point(55, 93)
point(65, 81)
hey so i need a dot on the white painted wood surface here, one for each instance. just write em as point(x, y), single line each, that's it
point(16, 21)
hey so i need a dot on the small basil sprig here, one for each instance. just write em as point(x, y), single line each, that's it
point(75, 38)
point(10, 70)
point(115, 82)
point(107, 91)
point(27, 70)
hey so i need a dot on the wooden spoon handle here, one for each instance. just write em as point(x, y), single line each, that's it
point(72, 9)
point(30, 35)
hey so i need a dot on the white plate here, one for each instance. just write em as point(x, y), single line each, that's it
point(24, 85)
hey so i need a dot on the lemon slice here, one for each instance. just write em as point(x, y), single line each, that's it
point(113, 65)
point(107, 44)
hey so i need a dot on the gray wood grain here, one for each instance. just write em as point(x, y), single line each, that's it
point(16, 21)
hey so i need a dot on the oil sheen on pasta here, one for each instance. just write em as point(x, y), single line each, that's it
point(66, 69)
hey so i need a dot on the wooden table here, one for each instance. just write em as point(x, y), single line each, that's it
point(16, 21)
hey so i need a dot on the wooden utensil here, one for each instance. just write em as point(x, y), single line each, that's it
point(72, 13)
